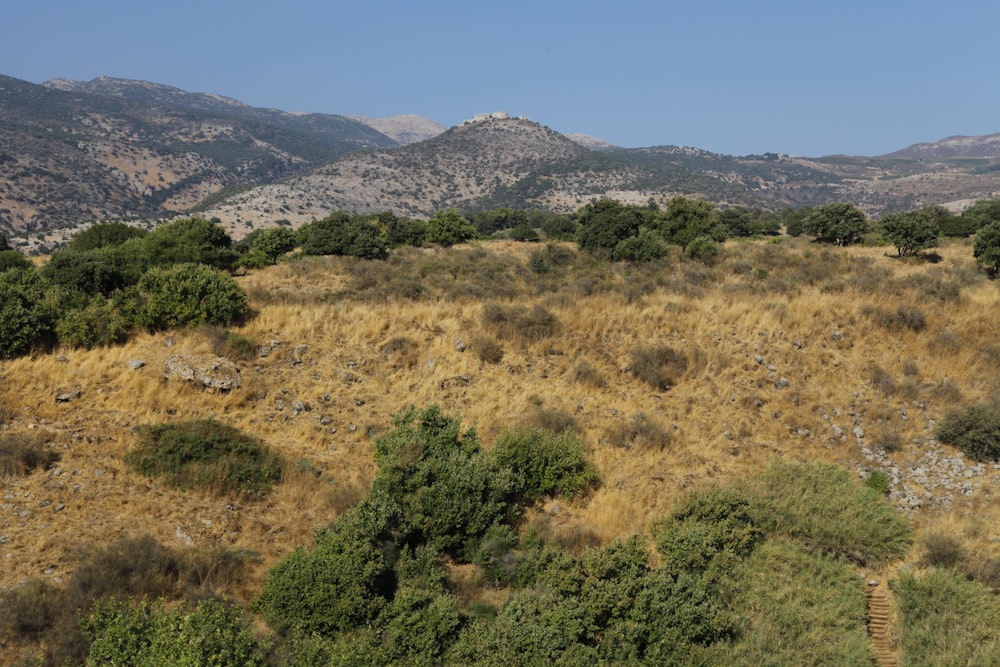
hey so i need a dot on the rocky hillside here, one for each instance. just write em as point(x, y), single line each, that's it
point(405, 129)
point(71, 152)
point(987, 146)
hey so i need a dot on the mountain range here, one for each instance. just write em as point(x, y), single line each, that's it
point(73, 152)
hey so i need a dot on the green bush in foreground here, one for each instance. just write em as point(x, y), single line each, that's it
point(206, 454)
point(213, 633)
point(188, 294)
point(824, 509)
point(545, 463)
point(947, 619)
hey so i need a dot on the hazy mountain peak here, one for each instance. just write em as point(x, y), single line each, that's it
point(404, 129)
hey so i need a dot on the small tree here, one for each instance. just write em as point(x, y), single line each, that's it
point(104, 234)
point(449, 227)
point(606, 223)
point(683, 220)
point(911, 232)
point(986, 247)
point(188, 294)
point(840, 223)
point(4, 245)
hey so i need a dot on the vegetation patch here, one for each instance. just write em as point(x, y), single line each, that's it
point(206, 454)
point(659, 366)
point(975, 430)
point(22, 453)
point(824, 509)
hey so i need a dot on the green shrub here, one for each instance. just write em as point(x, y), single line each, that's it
point(646, 246)
point(838, 223)
point(702, 249)
point(22, 453)
point(103, 235)
point(946, 620)
point(606, 223)
point(12, 259)
point(342, 234)
point(659, 366)
point(717, 523)
point(206, 454)
point(823, 508)
point(449, 227)
point(342, 584)
point(26, 317)
point(975, 430)
point(189, 240)
point(545, 463)
point(212, 633)
point(99, 323)
point(878, 481)
point(188, 294)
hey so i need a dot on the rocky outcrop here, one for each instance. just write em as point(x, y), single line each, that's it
point(212, 372)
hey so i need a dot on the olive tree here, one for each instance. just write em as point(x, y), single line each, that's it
point(911, 232)
point(986, 247)
point(839, 223)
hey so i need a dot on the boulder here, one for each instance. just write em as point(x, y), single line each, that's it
point(213, 372)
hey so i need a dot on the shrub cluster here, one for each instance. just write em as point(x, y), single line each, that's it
point(659, 366)
point(206, 454)
point(975, 430)
point(22, 453)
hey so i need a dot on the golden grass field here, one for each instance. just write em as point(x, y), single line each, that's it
point(809, 312)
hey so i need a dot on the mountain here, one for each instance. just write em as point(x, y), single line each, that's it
point(406, 129)
point(72, 152)
point(986, 146)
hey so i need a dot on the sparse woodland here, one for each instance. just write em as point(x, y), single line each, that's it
point(633, 435)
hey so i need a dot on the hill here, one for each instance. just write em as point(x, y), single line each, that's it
point(790, 352)
point(73, 152)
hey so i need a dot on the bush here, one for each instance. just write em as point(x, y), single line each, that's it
point(20, 454)
point(103, 235)
point(212, 633)
point(986, 247)
point(839, 223)
point(942, 549)
point(30, 610)
point(904, 317)
point(975, 430)
point(718, 523)
point(911, 232)
point(606, 223)
point(206, 454)
point(683, 220)
point(519, 322)
point(824, 509)
point(878, 481)
point(98, 323)
point(644, 247)
point(342, 584)
point(344, 235)
point(188, 294)
point(640, 431)
point(12, 259)
point(189, 240)
point(660, 366)
point(449, 227)
point(703, 249)
point(487, 349)
point(545, 463)
point(26, 319)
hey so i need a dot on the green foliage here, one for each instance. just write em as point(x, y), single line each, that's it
point(450, 493)
point(402, 231)
point(206, 454)
point(26, 318)
point(100, 322)
point(823, 508)
point(703, 249)
point(188, 294)
point(104, 234)
point(684, 220)
point(97, 271)
point(713, 526)
point(544, 463)
point(342, 234)
point(606, 223)
point(12, 259)
point(737, 221)
point(984, 212)
point(212, 633)
point(189, 240)
point(449, 227)
point(4, 244)
point(986, 247)
point(839, 223)
point(794, 608)
point(560, 228)
point(659, 366)
point(263, 247)
point(975, 430)
point(646, 246)
point(523, 232)
point(911, 232)
point(878, 481)
point(793, 219)
point(947, 620)
point(343, 583)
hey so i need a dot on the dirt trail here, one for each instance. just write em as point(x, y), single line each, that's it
point(879, 624)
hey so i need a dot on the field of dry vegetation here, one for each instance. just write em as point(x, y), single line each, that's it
point(676, 375)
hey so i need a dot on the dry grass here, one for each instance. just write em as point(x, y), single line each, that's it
point(778, 343)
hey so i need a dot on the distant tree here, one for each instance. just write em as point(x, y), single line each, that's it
point(683, 220)
point(190, 240)
point(342, 234)
point(737, 221)
point(104, 234)
point(264, 246)
point(839, 223)
point(101, 270)
point(523, 232)
point(645, 246)
point(986, 247)
point(449, 227)
point(606, 223)
point(558, 227)
point(911, 232)
point(4, 245)
point(401, 230)
point(792, 219)
point(977, 216)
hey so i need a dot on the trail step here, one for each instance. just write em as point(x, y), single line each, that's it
point(878, 628)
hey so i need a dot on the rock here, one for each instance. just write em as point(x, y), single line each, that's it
point(63, 360)
point(460, 346)
point(781, 383)
point(859, 432)
point(135, 364)
point(213, 372)
point(67, 396)
point(759, 359)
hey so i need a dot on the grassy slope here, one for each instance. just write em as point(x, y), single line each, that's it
point(800, 307)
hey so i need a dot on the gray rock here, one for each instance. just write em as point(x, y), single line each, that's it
point(212, 372)
point(781, 383)
point(67, 396)
point(460, 346)
point(135, 364)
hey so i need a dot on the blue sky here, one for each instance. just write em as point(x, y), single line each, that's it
point(806, 77)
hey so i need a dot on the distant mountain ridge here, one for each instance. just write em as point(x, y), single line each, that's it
point(73, 152)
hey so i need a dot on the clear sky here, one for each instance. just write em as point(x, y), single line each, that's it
point(806, 77)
